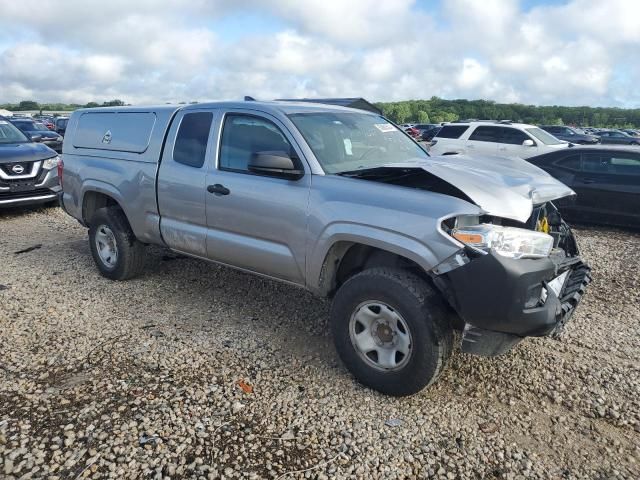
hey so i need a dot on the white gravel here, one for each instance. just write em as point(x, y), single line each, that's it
point(198, 371)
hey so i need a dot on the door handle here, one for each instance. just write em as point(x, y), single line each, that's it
point(589, 180)
point(218, 189)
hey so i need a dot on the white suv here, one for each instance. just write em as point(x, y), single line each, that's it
point(504, 139)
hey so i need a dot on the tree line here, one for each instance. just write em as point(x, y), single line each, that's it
point(30, 105)
point(437, 110)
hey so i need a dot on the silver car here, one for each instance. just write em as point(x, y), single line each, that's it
point(341, 202)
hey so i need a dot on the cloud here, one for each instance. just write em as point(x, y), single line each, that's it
point(577, 52)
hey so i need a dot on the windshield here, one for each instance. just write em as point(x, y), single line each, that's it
point(10, 134)
point(544, 137)
point(352, 141)
point(30, 126)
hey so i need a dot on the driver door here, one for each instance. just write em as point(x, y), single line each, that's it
point(256, 222)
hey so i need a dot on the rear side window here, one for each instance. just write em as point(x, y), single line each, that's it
point(594, 163)
point(115, 131)
point(452, 131)
point(245, 135)
point(486, 134)
point(512, 136)
point(571, 162)
point(191, 140)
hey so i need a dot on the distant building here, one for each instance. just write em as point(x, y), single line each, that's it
point(360, 103)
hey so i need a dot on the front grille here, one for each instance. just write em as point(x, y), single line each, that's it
point(39, 178)
point(7, 168)
point(30, 193)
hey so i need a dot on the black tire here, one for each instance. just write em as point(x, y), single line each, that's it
point(635, 144)
point(421, 308)
point(130, 252)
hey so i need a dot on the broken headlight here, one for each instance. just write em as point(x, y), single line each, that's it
point(509, 242)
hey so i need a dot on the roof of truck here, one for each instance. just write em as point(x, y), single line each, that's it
point(270, 106)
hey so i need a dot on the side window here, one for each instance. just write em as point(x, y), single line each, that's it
point(245, 135)
point(512, 136)
point(571, 162)
point(452, 131)
point(486, 134)
point(624, 165)
point(191, 140)
point(595, 163)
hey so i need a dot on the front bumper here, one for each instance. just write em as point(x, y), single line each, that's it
point(502, 300)
point(45, 189)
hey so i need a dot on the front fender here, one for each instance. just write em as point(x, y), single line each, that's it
point(376, 237)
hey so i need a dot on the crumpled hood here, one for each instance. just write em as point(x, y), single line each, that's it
point(24, 152)
point(505, 187)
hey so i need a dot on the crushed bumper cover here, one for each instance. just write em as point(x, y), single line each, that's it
point(504, 300)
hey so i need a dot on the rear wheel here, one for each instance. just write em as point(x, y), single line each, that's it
point(115, 249)
point(391, 330)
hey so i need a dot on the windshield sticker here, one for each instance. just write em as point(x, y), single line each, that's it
point(385, 127)
point(348, 148)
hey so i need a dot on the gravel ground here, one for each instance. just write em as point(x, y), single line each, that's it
point(198, 371)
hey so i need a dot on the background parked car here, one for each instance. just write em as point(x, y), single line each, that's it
point(616, 137)
point(606, 180)
point(429, 133)
point(28, 170)
point(34, 130)
point(413, 132)
point(571, 135)
point(494, 138)
point(48, 121)
point(61, 125)
point(631, 131)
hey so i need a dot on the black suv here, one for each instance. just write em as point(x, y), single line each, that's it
point(38, 132)
point(28, 170)
point(570, 135)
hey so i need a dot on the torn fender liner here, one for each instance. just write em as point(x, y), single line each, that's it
point(506, 187)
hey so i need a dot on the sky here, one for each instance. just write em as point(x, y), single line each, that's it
point(564, 52)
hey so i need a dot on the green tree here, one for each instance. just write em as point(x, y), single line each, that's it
point(28, 105)
point(403, 112)
point(91, 105)
point(423, 117)
point(114, 103)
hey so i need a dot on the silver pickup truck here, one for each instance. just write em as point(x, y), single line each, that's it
point(341, 202)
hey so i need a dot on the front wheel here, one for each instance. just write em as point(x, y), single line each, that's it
point(391, 330)
point(115, 249)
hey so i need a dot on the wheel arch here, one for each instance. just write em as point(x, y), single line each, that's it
point(96, 196)
point(346, 255)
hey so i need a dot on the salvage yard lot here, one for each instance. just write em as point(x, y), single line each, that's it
point(195, 370)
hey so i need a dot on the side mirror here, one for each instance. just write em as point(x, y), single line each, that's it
point(528, 143)
point(275, 164)
point(36, 138)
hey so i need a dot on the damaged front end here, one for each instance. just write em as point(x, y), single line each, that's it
point(512, 280)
